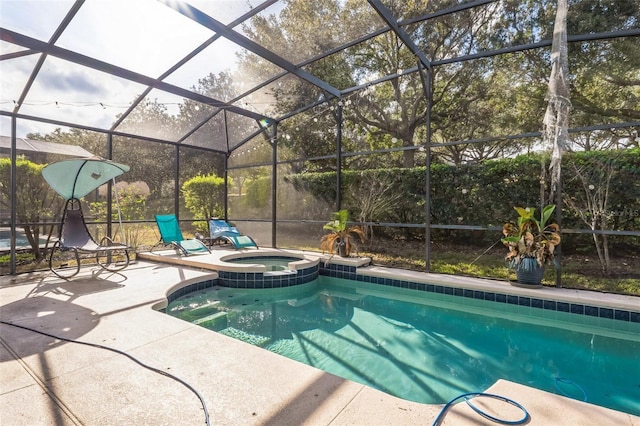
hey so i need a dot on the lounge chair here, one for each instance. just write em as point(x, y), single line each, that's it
point(74, 237)
point(171, 235)
point(222, 231)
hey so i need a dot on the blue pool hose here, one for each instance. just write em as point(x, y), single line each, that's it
point(95, 345)
point(467, 396)
point(563, 380)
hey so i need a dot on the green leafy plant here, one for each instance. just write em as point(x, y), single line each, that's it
point(342, 237)
point(531, 238)
point(35, 200)
point(204, 197)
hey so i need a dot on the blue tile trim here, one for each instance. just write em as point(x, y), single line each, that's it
point(349, 272)
point(258, 280)
point(606, 313)
point(591, 311)
point(524, 301)
point(199, 286)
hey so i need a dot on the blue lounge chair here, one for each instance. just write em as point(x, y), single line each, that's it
point(222, 231)
point(171, 235)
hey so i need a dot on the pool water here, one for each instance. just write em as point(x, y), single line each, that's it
point(430, 347)
point(21, 240)
point(271, 263)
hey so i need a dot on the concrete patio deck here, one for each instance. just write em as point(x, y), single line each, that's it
point(46, 381)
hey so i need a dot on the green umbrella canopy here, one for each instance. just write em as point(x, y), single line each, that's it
point(76, 177)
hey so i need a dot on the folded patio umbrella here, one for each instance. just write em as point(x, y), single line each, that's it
point(76, 177)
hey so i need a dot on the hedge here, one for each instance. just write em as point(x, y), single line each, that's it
point(484, 194)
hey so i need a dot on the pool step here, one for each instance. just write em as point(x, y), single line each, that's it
point(215, 321)
point(253, 339)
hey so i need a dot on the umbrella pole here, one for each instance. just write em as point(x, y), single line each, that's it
point(115, 191)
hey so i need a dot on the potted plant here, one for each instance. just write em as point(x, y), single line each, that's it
point(342, 239)
point(531, 243)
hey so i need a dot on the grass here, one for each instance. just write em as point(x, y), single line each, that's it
point(579, 271)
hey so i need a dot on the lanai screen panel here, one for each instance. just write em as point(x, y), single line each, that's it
point(223, 70)
point(143, 36)
point(257, 151)
point(198, 163)
point(310, 135)
point(604, 67)
point(305, 196)
point(44, 16)
point(300, 30)
point(152, 166)
point(240, 128)
point(281, 97)
point(14, 78)
point(162, 115)
point(249, 199)
point(487, 27)
point(227, 11)
point(212, 134)
point(365, 63)
point(70, 92)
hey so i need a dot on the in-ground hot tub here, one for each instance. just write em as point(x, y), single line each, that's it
point(266, 270)
point(271, 263)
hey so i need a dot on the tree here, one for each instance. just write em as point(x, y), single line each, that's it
point(204, 196)
point(373, 196)
point(150, 162)
point(35, 200)
point(592, 203)
point(606, 86)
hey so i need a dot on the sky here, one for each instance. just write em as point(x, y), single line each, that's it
point(144, 36)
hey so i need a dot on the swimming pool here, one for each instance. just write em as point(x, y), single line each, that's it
point(21, 240)
point(428, 347)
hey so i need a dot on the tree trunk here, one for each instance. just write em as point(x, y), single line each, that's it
point(33, 236)
point(596, 241)
point(605, 246)
point(408, 156)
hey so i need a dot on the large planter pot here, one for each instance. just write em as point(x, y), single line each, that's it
point(529, 273)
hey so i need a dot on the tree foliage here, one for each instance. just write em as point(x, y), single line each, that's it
point(35, 200)
point(204, 196)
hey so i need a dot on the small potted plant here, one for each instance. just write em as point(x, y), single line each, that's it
point(531, 243)
point(342, 239)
